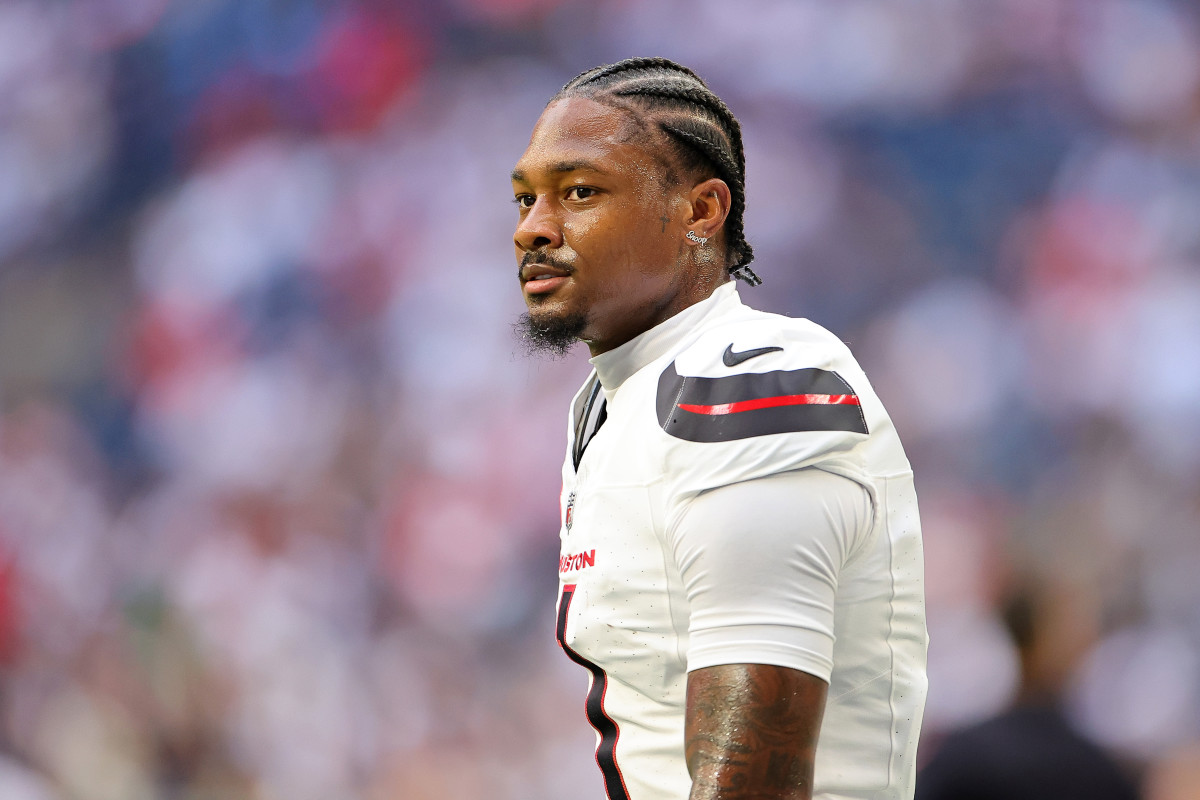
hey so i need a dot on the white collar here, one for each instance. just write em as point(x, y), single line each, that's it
point(614, 366)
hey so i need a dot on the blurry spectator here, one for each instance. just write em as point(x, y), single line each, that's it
point(1031, 752)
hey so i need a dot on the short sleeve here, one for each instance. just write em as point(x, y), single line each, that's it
point(760, 562)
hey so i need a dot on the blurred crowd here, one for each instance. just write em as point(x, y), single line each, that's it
point(278, 484)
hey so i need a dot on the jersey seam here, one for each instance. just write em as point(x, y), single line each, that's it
point(669, 560)
point(891, 643)
point(850, 390)
point(859, 687)
point(675, 403)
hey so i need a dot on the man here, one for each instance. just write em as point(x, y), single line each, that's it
point(741, 565)
point(1032, 751)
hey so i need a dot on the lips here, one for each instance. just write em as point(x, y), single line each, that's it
point(543, 278)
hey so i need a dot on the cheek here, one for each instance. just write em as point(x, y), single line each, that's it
point(627, 247)
point(584, 228)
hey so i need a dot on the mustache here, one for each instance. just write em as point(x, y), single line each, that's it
point(541, 257)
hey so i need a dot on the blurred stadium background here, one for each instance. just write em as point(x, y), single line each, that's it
point(278, 487)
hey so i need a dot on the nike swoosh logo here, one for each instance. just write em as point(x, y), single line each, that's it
point(732, 359)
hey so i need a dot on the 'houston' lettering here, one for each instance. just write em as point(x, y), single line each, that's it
point(574, 561)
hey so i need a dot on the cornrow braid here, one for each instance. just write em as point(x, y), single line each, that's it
point(630, 64)
point(700, 97)
point(703, 140)
point(706, 134)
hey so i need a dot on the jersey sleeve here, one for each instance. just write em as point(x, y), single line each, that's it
point(799, 400)
point(760, 562)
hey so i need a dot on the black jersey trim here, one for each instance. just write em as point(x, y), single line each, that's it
point(756, 404)
point(590, 412)
point(606, 750)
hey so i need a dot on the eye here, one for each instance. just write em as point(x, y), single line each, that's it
point(524, 200)
point(580, 192)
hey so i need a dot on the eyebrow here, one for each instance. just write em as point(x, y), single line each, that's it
point(564, 167)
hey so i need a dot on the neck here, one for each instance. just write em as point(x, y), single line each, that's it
point(662, 310)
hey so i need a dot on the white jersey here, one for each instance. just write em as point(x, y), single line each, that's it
point(734, 492)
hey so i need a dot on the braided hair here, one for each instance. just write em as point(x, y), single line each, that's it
point(707, 138)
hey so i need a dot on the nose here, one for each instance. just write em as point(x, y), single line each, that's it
point(539, 228)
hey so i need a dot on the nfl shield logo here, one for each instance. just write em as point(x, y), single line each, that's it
point(569, 517)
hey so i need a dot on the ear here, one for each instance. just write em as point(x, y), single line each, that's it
point(709, 207)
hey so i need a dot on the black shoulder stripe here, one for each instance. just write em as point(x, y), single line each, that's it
point(756, 404)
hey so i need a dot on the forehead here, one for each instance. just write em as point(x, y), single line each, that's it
point(580, 130)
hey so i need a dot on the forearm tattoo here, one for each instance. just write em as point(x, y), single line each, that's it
point(751, 732)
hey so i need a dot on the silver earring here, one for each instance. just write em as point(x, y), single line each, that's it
point(691, 235)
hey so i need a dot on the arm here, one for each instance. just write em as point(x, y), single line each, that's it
point(751, 732)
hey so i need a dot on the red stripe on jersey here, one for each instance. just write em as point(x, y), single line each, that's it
point(772, 402)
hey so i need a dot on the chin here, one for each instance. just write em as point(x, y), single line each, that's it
point(550, 331)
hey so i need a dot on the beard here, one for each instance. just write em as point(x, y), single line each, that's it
point(550, 335)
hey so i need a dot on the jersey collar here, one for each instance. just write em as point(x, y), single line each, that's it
point(619, 363)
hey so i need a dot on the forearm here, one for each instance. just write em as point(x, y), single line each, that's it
point(751, 732)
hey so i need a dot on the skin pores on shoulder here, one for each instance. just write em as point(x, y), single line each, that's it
point(601, 243)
